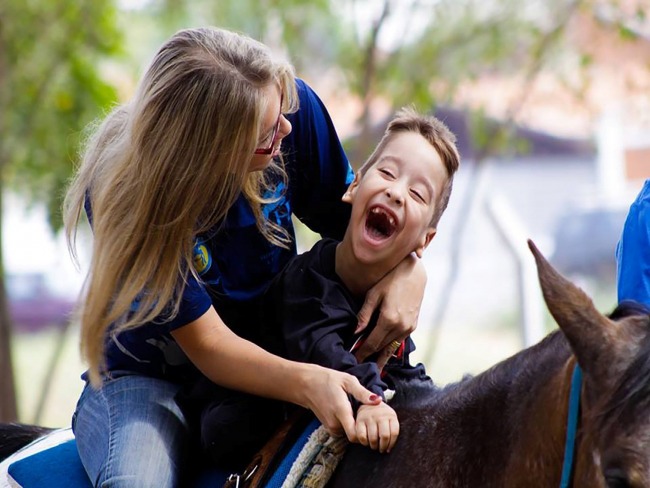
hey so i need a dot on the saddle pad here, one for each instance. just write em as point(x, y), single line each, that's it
point(56, 467)
point(59, 466)
point(282, 471)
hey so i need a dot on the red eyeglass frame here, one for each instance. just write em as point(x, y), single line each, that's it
point(269, 150)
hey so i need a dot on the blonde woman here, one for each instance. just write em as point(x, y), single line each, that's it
point(190, 201)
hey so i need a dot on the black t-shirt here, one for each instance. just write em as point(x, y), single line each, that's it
point(310, 316)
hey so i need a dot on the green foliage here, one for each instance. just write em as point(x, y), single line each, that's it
point(306, 29)
point(423, 62)
point(51, 86)
point(627, 33)
point(437, 46)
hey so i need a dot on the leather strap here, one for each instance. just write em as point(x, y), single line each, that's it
point(268, 458)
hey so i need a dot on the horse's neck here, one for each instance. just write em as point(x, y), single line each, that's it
point(506, 426)
point(538, 438)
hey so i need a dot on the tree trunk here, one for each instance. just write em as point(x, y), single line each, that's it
point(369, 74)
point(8, 409)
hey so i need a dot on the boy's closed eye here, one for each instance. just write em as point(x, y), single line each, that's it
point(419, 195)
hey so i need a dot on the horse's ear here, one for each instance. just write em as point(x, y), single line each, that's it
point(587, 330)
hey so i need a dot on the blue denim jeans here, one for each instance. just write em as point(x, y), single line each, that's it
point(131, 433)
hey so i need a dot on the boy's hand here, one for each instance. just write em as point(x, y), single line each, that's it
point(377, 427)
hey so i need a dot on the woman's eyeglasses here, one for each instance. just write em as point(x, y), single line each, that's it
point(269, 149)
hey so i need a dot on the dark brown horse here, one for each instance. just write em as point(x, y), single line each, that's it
point(506, 427)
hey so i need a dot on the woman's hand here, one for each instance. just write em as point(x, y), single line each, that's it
point(326, 393)
point(233, 362)
point(398, 296)
point(377, 427)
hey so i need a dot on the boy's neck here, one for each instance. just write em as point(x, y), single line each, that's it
point(357, 277)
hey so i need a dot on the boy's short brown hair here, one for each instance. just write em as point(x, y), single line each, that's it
point(437, 134)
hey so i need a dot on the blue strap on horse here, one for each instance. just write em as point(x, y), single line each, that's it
point(572, 426)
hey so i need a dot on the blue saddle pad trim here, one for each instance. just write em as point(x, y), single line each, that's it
point(283, 469)
point(60, 467)
point(57, 467)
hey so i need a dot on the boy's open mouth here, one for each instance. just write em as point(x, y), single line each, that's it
point(380, 224)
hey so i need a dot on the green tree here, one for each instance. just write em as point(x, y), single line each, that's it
point(51, 86)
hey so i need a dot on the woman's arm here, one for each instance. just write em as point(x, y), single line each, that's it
point(399, 297)
point(233, 362)
point(318, 168)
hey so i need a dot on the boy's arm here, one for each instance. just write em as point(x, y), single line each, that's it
point(313, 332)
point(312, 314)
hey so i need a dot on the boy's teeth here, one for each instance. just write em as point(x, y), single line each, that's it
point(376, 210)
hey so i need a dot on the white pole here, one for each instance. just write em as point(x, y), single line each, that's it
point(514, 235)
point(610, 162)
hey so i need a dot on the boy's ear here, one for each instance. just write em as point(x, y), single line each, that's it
point(348, 196)
point(426, 239)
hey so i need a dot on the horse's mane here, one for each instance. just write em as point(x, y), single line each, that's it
point(14, 436)
point(628, 308)
point(631, 394)
point(634, 389)
point(522, 369)
point(513, 378)
point(534, 361)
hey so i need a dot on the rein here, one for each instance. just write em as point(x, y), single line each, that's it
point(572, 426)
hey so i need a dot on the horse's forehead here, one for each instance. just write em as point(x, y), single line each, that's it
point(625, 392)
point(630, 338)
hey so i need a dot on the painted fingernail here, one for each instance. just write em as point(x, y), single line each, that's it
point(373, 397)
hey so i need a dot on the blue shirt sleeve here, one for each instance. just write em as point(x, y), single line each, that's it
point(633, 251)
point(318, 169)
point(194, 303)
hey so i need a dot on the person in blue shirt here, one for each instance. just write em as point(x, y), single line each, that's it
point(190, 188)
point(633, 251)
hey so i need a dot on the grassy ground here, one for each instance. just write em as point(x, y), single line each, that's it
point(32, 359)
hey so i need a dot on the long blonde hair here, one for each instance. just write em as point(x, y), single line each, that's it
point(165, 167)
